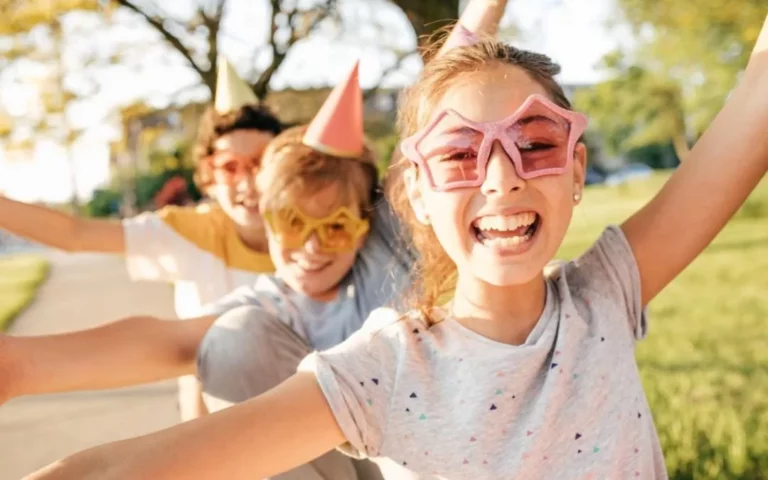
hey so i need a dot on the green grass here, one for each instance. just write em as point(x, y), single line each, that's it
point(20, 277)
point(705, 363)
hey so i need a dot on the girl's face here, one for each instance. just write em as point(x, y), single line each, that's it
point(506, 230)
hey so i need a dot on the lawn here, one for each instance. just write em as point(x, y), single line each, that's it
point(20, 277)
point(705, 362)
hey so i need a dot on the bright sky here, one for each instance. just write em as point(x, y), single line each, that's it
point(572, 32)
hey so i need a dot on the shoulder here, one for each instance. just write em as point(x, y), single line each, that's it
point(203, 225)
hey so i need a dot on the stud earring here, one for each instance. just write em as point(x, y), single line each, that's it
point(576, 196)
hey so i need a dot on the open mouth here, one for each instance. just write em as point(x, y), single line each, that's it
point(507, 232)
point(250, 204)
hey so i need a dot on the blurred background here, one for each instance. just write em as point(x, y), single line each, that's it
point(99, 102)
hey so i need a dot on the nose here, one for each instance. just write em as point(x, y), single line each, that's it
point(500, 174)
point(312, 243)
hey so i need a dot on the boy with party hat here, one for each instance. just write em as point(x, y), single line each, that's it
point(339, 255)
point(205, 251)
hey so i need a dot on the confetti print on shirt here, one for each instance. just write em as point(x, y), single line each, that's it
point(498, 391)
point(552, 366)
point(578, 436)
point(472, 439)
point(413, 395)
point(369, 402)
point(493, 407)
point(602, 339)
point(422, 417)
point(595, 449)
point(415, 330)
point(375, 380)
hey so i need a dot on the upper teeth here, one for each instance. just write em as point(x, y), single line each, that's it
point(506, 223)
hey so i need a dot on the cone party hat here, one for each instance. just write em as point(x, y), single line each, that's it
point(337, 128)
point(231, 91)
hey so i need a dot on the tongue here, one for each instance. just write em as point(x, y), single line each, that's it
point(491, 234)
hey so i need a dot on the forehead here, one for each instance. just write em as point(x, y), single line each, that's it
point(491, 94)
point(244, 143)
point(325, 201)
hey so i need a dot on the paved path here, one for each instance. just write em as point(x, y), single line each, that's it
point(83, 290)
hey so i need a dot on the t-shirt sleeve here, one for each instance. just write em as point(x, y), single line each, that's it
point(168, 244)
point(608, 271)
point(357, 378)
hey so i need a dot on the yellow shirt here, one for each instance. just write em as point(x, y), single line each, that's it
point(197, 249)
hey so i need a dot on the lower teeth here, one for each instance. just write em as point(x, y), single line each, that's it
point(507, 241)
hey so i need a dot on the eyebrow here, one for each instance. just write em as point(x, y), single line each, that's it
point(534, 118)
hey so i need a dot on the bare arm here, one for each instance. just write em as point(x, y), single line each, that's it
point(706, 190)
point(285, 427)
point(126, 352)
point(60, 230)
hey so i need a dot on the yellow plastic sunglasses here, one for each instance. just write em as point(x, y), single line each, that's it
point(337, 232)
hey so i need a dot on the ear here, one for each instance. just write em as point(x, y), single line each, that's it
point(414, 196)
point(579, 164)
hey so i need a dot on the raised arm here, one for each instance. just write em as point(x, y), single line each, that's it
point(60, 230)
point(269, 434)
point(126, 352)
point(483, 16)
point(706, 190)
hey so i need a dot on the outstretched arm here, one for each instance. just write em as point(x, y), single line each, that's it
point(285, 427)
point(725, 165)
point(60, 230)
point(126, 352)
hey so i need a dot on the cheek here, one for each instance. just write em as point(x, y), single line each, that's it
point(221, 193)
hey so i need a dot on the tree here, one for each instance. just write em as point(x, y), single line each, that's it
point(635, 108)
point(288, 24)
point(687, 58)
point(51, 122)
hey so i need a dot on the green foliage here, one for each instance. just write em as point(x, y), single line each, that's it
point(106, 202)
point(20, 277)
point(670, 87)
point(634, 109)
point(705, 363)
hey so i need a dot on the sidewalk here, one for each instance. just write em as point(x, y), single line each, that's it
point(83, 290)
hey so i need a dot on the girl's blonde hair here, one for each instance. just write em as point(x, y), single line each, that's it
point(435, 273)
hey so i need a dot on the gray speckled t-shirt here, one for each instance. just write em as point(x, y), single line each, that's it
point(446, 402)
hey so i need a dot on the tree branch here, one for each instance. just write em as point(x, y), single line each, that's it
point(319, 13)
point(157, 24)
point(387, 71)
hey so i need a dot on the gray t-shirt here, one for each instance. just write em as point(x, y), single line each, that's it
point(446, 402)
point(380, 272)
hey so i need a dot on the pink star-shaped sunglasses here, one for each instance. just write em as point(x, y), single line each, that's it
point(454, 151)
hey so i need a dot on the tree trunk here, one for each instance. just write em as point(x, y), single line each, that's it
point(426, 16)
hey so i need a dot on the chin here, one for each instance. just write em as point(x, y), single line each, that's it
point(510, 275)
